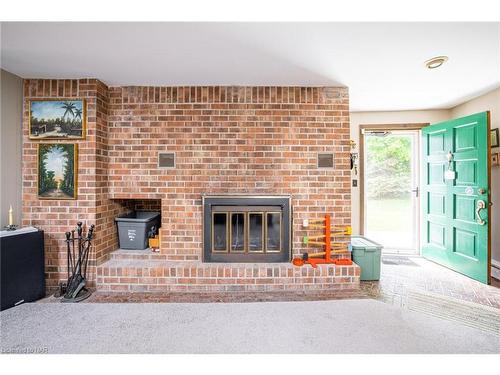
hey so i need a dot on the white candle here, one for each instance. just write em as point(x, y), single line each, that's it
point(11, 216)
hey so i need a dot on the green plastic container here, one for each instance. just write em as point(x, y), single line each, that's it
point(366, 254)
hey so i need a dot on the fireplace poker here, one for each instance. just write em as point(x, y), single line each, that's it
point(76, 290)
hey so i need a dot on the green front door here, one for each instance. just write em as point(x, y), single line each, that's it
point(456, 195)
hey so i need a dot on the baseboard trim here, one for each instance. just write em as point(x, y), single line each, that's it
point(495, 263)
point(495, 269)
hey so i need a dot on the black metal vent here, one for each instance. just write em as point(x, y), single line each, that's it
point(325, 160)
point(166, 160)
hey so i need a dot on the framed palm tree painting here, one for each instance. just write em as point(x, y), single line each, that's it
point(57, 118)
point(57, 170)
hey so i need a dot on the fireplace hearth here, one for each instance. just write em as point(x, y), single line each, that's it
point(246, 229)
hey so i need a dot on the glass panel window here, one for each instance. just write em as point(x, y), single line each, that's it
point(219, 232)
point(391, 176)
point(273, 231)
point(255, 233)
point(238, 232)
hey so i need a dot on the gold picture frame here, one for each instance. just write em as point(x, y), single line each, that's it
point(494, 137)
point(55, 179)
point(495, 162)
point(57, 118)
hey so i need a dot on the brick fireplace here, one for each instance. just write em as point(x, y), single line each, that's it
point(226, 141)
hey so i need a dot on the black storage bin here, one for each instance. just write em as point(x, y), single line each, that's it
point(133, 228)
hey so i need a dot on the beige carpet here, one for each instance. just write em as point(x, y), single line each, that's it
point(339, 326)
point(470, 314)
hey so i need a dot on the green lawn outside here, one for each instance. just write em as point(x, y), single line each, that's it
point(389, 222)
point(389, 214)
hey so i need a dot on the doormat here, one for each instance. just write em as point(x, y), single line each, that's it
point(468, 313)
point(398, 261)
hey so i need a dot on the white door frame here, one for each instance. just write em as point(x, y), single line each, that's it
point(416, 162)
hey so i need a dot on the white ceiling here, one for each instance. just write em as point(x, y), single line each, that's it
point(381, 63)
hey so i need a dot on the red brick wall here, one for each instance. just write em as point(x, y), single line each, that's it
point(252, 140)
point(56, 217)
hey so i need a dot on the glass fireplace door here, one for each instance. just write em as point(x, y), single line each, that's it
point(247, 232)
point(256, 232)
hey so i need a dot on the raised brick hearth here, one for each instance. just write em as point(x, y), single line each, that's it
point(227, 141)
point(143, 271)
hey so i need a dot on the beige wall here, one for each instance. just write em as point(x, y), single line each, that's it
point(488, 102)
point(11, 98)
point(372, 118)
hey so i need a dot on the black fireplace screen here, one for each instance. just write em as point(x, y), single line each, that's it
point(246, 229)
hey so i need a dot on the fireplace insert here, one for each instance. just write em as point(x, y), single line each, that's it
point(246, 229)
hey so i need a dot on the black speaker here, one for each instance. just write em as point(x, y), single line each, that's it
point(23, 268)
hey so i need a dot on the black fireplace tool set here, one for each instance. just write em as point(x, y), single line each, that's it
point(78, 249)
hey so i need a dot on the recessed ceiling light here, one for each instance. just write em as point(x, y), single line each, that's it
point(436, 62)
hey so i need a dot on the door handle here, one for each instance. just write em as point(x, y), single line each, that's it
point(415, 191)
point(480, 205)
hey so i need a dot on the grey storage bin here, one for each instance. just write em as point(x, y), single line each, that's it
point(366, 254)
point(134, 227)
